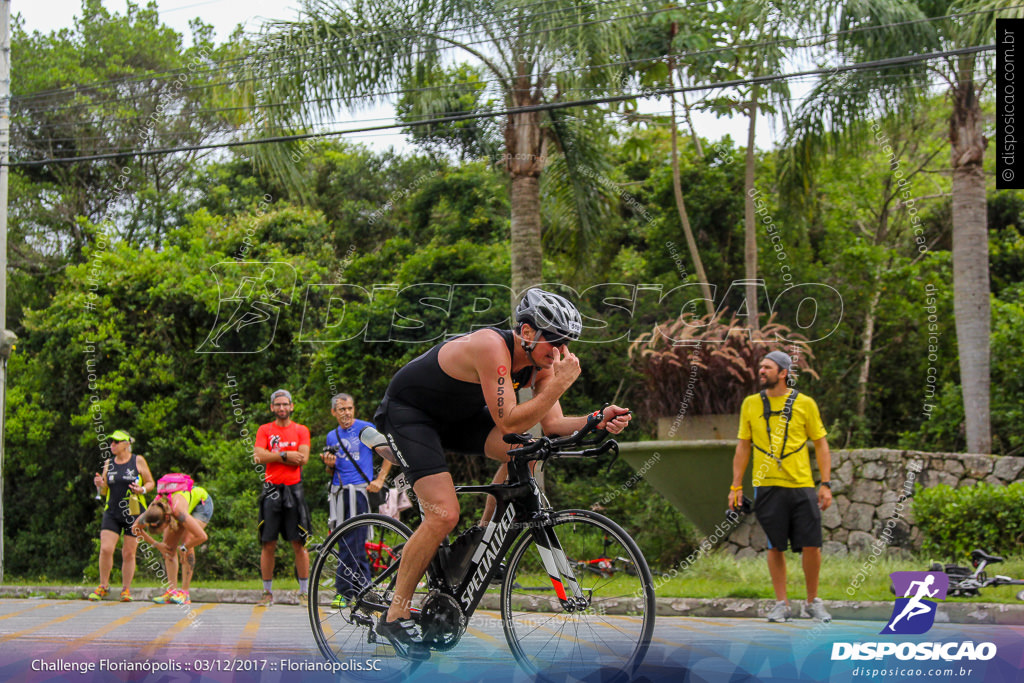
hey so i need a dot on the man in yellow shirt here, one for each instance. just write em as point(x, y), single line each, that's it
point(775, 425)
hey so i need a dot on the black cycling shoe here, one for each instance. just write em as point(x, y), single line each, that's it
point(405, 636)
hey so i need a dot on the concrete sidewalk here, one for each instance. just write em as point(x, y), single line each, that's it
point(948, 612)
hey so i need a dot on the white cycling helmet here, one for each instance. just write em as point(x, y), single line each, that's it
point(551, 314)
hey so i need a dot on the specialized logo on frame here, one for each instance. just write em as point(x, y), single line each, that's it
point(916, 596)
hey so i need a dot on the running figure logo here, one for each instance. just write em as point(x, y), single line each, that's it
point(252, 296)
point(914, 612)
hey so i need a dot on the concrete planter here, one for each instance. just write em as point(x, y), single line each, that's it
point(698, 427)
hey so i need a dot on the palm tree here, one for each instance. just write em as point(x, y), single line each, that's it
point(846, 104)
point(532, 53)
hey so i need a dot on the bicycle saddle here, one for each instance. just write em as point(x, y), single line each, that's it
point(978, 555)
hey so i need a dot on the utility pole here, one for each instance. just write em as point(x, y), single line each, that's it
point(5, 152)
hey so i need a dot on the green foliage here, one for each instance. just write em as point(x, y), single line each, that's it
point(436, 92)
point(714, 202)
point(942, 426)
point(956, 521)
point(131, 103)
point(116, 348)
point(1005, 243)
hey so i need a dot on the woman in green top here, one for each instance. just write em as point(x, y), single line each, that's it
point(181, 519)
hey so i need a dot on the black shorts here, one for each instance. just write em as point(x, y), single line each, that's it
point(283, 513)
point(420, 441)
point(789, 516)
point(118, 523)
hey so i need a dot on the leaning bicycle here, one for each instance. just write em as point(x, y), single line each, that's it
point(561, 621)
point(965, 583)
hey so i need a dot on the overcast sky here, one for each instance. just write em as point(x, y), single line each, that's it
point(225, 15)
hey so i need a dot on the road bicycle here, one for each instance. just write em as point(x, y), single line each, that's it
point(606, 564)
point(578, 625)
point(965, 583)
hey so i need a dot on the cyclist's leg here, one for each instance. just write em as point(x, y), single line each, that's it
point(475, 436)
point(417, 443)
point(497, 449)
point(440, 506)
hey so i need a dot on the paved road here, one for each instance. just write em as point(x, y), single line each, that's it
point(56, 639)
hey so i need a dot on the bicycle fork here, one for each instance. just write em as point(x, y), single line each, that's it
point(556, 564)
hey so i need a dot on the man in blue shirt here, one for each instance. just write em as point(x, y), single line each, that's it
point(352, 467)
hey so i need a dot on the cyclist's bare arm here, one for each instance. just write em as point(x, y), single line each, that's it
point(555, 423)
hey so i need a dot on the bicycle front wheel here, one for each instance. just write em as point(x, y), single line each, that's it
point(604, 635)
point(351, 585)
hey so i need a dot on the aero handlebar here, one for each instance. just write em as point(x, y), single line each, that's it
point(544, 447)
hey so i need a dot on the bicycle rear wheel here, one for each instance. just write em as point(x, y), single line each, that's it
point(603, 639)
point(351, 586)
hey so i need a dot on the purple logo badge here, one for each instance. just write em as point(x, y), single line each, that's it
point(914, 611)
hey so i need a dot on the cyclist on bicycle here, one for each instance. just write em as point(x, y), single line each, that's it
point(461, 396)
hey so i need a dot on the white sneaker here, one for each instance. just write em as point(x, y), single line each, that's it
point(781, 612)
point(816, 610)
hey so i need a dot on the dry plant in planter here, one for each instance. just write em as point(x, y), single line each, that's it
point(708, 364)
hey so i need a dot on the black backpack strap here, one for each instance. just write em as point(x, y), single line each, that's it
point(350, 458)
point(787, 415)
point(787, 410)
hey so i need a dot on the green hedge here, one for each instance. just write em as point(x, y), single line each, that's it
point(955, 521)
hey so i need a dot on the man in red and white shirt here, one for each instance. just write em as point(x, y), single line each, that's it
point(283, 446)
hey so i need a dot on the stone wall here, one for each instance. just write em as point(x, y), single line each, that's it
point(872, 491)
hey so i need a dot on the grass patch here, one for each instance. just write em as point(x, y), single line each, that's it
point(713, 576)
point(719, 575)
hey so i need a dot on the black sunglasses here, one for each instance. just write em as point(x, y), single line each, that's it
point(555, 339)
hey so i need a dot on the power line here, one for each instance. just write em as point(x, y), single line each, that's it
point(456, 30)
point(876, 64)
point(410, 122)
point(402, 91)
point(681, 57)
point(37, 127)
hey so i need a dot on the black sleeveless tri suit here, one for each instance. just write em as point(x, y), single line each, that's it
point(426, 411)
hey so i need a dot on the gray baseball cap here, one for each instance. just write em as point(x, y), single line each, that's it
point(281, 392)
point(781, 359)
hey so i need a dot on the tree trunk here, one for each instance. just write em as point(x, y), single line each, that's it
point(749, 222)
point(524, 161)
point(867, 338)
point(527, 254)
point(677, 189)
point(971, 303)
point(689, 122)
